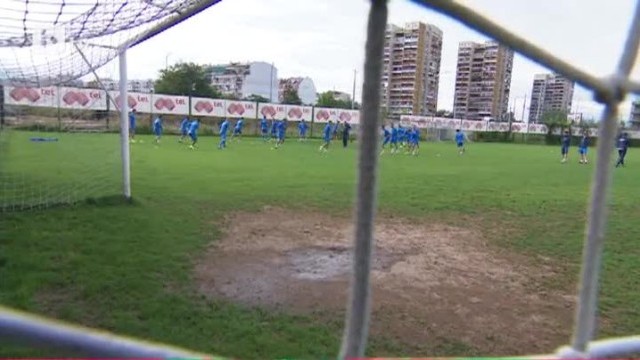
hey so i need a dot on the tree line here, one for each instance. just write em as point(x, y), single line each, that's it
point(186, 79)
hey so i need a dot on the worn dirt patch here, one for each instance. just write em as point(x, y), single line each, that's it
point(429, 280)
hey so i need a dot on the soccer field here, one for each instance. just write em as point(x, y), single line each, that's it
point(244, 252)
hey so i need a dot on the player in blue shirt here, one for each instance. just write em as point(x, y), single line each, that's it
point(623, 145)
point(402, 136)
point(264, 128)
point(274, 129)
point(302, 130)
point(132, 125)
point(184, 129)
point(281, 130)
point(193, 132)
point(285, 126)
point(565, 141)
point(237, 130)
point(460, 138)
point(414, 140)
point(386, 138)
point(346, 128)
point(582, 148)
point(157, 128)
point(326, 136)
point(224, 128)
point(394, 139)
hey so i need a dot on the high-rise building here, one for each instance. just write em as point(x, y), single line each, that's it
point(303, 86)
point(483, 81)
point(242, 80)
point(550, 92)
point(411, 69)
point(634, 116)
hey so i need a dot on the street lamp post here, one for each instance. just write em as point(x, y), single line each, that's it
point(166, 61)
point(271, 85)
point(151, 91)
point(191, 90)
point(353, 93)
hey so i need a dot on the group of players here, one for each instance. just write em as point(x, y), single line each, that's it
point(274, 130)
point(395, 136)
point(622, 145)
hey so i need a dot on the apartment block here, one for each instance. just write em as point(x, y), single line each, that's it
point(550, 92)
point(634, 116)
point(483, 81)
point(411, 70)
point(242, 80)
point(303, 86)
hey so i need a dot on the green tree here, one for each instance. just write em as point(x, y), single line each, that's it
point(290, 96)
point(229, 97)
point(444, 114)
point(588, 125)
point(93, 84)
point(185, 79)
point(257, 98)
point(327, 99)
point(554, 119)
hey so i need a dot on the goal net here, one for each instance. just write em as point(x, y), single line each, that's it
point(59, 141)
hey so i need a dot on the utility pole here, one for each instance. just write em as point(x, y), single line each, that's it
point(1, 107)
point(353, 93)
point(191, 90)
point(524, 105)
point(166, 61)
point(271, 85)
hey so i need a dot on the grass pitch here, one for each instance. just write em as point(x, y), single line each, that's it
point(128, 267)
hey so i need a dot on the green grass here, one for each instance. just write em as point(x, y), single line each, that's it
point(127, 267)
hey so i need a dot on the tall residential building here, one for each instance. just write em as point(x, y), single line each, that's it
point(245, 79)
point(634, 116)
point(483, 81)
point(303, 86)
point(411, 69)
point(550, 92)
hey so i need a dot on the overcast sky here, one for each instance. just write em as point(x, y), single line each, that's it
point(324, 40)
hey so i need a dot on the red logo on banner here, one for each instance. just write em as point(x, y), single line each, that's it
point(20, 93)
point(203, 106)
point(345, 116)
point(295, 113)
point(72, 97)
point(323, 115)
point(235, 109)
point(164, 103)
point(268, 111)
point(130, 100)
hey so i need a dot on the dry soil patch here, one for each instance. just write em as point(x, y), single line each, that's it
point(429, 280)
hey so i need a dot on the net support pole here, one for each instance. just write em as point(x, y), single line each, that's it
point(124, 125)
point(586, 311)
point(357, 319)
point(1, 107)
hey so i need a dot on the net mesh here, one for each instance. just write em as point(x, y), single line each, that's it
point(44, 40)
point(50, 153)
